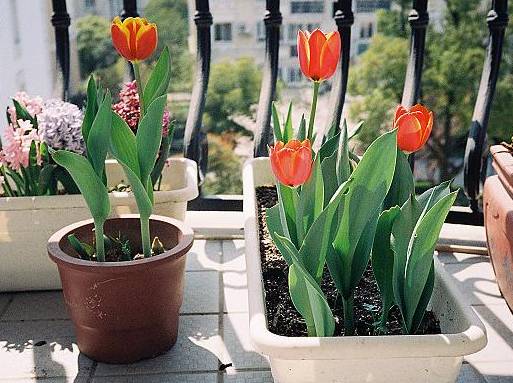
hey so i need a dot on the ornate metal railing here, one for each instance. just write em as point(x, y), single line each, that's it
point(195, 143)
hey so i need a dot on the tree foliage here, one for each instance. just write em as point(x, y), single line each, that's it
point(171, 17)
point(454, 58)
point(94, 44)
point(233, 89)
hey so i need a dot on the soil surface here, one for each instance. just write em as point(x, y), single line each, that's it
point(283, 318)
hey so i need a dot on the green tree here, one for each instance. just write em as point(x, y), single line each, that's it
point(453, 63)
point(94, 44)
point(224, 174)
point(171, 17)
point(233, 89)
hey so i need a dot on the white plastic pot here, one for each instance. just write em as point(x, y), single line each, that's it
point(26, 223)
point(357, 359)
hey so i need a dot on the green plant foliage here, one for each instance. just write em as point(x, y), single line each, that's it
point(414, 235)
point(403, 184)
point(358, 214)
point(94, 44)
point(383, 261)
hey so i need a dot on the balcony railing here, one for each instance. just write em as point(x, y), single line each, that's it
point(195, 141)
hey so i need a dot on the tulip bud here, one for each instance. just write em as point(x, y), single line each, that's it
point(134, 38)
point(291, 163)
point(318, 53)
point(413, 127)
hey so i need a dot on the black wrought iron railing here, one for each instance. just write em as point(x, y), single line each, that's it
point(195, 142)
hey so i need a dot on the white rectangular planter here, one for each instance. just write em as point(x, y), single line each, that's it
point(26, 223)
point(357, 359)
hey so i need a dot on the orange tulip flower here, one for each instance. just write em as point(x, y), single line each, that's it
point(413, 127)
point(134, 38)
point(292, 162)
point(318, 53)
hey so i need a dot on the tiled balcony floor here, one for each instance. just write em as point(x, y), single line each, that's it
point(37, 342)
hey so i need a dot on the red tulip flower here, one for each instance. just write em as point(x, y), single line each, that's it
point(292, 162)
point(134, 38)
point(318, 53)
point(414, 127)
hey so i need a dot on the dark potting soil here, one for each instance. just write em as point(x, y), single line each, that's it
point(282, 316)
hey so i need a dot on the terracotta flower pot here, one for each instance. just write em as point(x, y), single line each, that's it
point(124, 311)
point(498, 216)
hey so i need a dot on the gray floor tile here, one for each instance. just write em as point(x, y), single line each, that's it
point(249, 377)
point(468, 374)
point(5, 298)
point(446, 257)
point(201, 292)
point(204, 255)
point(43, 349)
point(233, 255)
point(235, 289)
point(240, 352)
point(197, 349)
point(159, 378)
point(36, 306)
point(499, 327)
point(476, 282)
point(495, 372)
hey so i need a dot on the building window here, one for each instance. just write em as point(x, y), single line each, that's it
point(16, 25)
point(223, 32)
point(90, 4)
point(293, 28)
point(362, 47)
point(293, 51)
point(260, 31)
point(307, 7)
point(366, 32)
point(294, 75)
point(371, 6)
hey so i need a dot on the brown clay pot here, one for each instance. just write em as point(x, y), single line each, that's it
point(498, 216)
point(124, 311)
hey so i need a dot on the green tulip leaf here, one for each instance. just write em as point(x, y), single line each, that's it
point(306, 294)
point(278, 136)
point(91, 108)
point(288, 130)
point(149, 136)
point(403, 184)
point(90, 184)
point(301, 134)
point(383, 259)
point(98, 140)
point(159, 79)
point(310, 202)
point(358, 212)
point(123, 144)
point(288, 199)
point(414, 236)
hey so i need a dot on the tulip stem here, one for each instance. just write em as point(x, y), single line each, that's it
point(138, 81)
point(312, 111)
point(99, 241)
point(348, 315)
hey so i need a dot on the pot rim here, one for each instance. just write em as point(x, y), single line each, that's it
point(471, 340)
point(184, 245)
point(117, 198)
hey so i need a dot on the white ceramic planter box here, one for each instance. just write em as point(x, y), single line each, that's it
point(386, 359)
point(26, 223)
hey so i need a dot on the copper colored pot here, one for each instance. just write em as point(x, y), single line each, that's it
point(124, 311)
point(498, 215)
